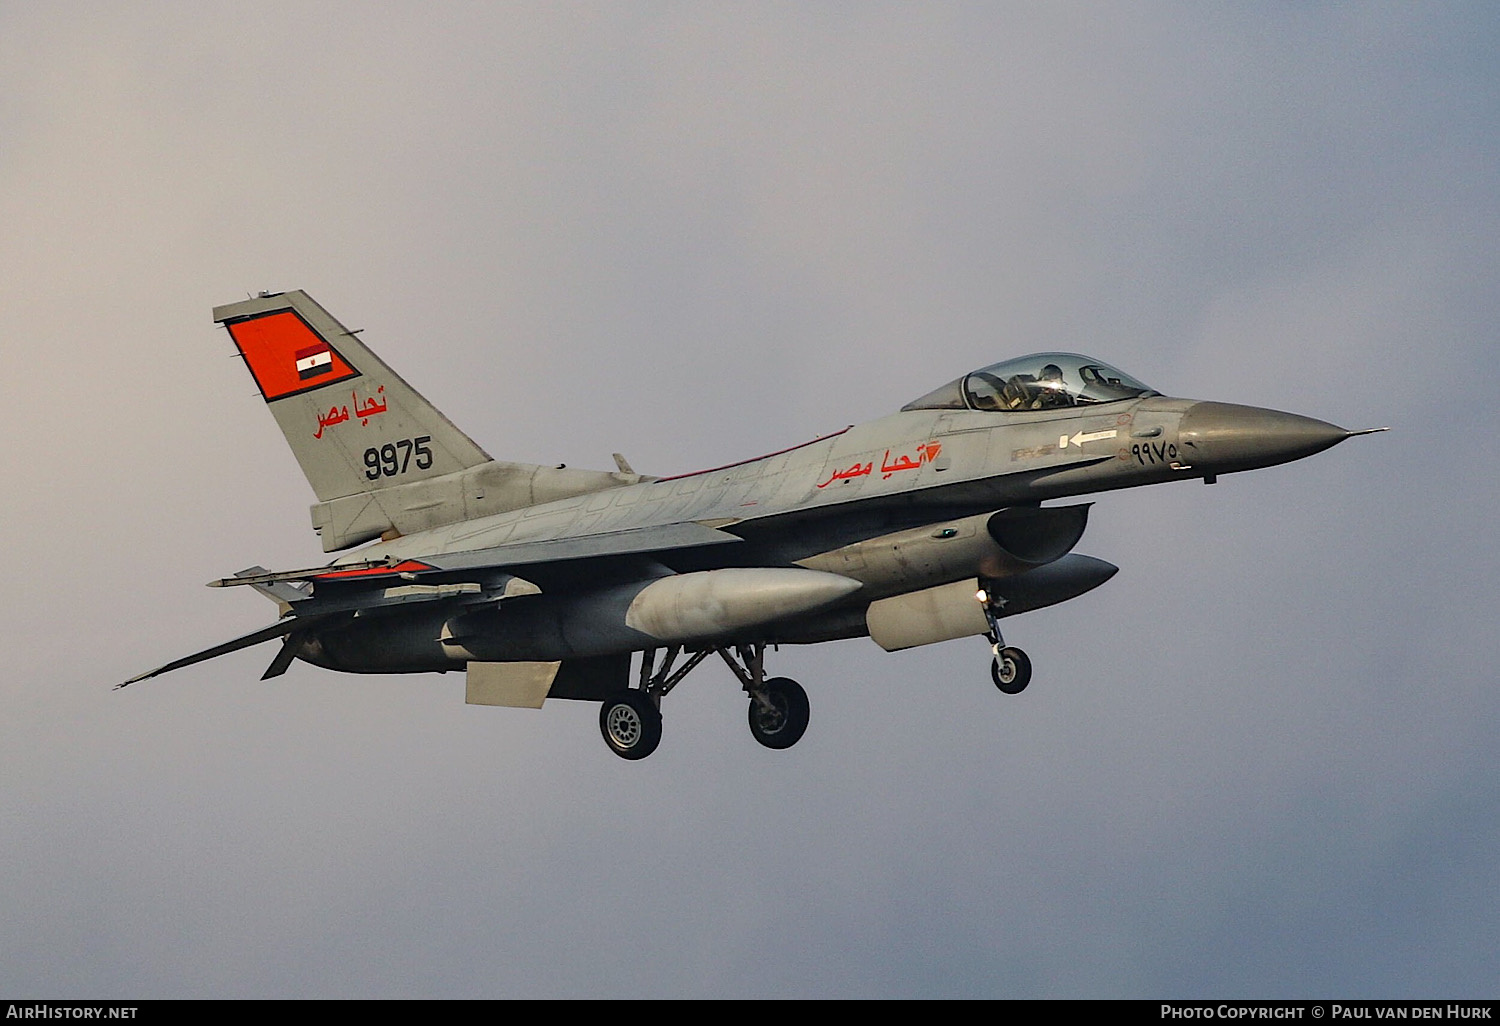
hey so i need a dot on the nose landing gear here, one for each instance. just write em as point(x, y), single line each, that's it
point(1011, 668)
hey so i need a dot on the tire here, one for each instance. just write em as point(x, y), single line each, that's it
point(631, 724)
point(1011, 671)
point(783, 727)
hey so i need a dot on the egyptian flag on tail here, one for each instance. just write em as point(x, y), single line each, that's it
point(286, 356)
point(314, 360)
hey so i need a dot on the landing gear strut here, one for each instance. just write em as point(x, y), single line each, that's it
point(630, 720)
point(1011, 668)
point(779, 710)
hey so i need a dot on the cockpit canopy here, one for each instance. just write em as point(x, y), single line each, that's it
point(1042, 381)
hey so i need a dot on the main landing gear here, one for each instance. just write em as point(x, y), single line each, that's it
point(1011, 668)
point(630, 720)
point(631, 724)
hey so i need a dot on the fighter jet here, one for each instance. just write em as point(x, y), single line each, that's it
point(545, 582)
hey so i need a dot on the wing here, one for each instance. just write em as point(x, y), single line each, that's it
point(342, 591)
point(613, 545)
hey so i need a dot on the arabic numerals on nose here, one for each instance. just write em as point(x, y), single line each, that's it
point(1146, 453)
point(395, 458)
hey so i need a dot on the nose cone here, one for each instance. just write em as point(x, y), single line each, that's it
point(1223, 437)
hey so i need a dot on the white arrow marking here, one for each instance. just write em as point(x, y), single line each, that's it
point(1081, 437)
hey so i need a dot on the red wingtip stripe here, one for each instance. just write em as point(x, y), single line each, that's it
point(404, 567)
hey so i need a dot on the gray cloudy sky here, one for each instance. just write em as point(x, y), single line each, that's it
point(1259, 762)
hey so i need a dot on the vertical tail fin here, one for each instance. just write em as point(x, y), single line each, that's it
point(379, 456)
point(354, 425)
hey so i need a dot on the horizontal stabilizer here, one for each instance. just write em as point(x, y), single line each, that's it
point(276, 630)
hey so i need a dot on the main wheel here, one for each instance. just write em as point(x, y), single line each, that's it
point(1011, 671)
point(631, 724)
point(782, 725)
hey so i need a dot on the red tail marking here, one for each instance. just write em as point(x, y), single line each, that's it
point(286, 356)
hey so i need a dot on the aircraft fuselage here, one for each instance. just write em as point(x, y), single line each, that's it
point(910, 493)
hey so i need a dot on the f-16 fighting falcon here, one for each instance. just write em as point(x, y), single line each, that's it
point(544, 582)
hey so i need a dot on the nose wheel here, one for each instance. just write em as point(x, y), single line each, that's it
point(1011, 668)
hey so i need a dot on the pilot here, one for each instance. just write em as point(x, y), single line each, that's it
point(1052, 390)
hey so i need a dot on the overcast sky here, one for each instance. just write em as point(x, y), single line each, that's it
point(1260, 762)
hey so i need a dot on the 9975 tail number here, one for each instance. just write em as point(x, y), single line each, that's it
point(395, 458)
